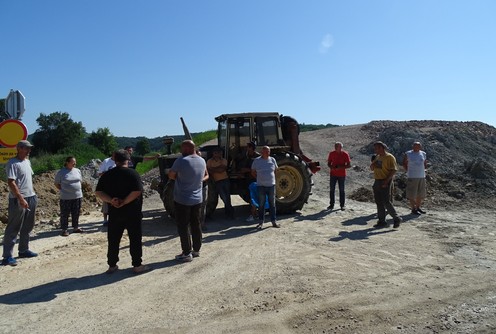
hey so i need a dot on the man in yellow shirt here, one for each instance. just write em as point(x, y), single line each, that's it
point(384, 167)
point(217, 169)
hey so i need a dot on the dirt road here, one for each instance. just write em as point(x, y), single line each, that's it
point(322, 272)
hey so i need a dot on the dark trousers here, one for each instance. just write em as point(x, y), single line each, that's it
point(116, 228)
point(223, 188)
point(382, 197)
point(340, 181)
point(70, 207)
point(188, 226)
point(20, 221)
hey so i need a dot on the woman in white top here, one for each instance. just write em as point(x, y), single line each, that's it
point(68, 181)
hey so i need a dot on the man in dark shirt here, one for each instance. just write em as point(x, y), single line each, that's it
point(121, 188)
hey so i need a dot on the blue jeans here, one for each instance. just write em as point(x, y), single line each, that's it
point(270, 192)
point(340, 180)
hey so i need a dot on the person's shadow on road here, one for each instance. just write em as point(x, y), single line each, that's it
point(49, 291)
point(359, 234)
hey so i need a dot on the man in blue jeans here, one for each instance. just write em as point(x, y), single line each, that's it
point(338, 161)
point(264, 169)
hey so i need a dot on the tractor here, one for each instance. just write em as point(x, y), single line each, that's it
point(234, 132)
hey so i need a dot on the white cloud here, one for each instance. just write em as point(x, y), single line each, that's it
point(326, 43)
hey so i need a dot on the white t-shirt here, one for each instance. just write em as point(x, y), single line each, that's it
point(70, 183)
point(21, 172)
point(265, 171)
point(416, 167)
point(106, 165)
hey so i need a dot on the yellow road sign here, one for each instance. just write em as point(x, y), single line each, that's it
point(11, 131)
point(6, 154)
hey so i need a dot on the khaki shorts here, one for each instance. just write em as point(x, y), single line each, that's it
point(415, 188)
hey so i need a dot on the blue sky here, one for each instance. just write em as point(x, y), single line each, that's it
point(137, 66)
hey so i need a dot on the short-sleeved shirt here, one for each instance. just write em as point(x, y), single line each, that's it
point(120, 182)
point(22, 173)
point(70, 183)
point(383, 166)
point(190, 171)
point(338, 159)
point(212, 163)
point(106, 165)
point(416, 164)
point(265, 169)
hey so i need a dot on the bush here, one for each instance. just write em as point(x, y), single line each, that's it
point(46, 162)
point(84, 153)
point(203, 137)
point(148, 165)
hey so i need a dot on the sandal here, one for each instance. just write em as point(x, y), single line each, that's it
point(78, 230)
point(112, 270)
point(140, 269)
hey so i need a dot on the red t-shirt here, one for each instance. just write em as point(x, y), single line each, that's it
point(338, 159)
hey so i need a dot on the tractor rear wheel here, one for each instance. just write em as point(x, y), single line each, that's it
point(293, 183)
point(167, 197)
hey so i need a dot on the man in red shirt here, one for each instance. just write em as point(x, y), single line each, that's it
point(338, 161)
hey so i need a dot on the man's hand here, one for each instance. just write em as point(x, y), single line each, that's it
point(116, 202)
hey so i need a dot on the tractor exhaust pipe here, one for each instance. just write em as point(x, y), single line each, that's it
point(186, 131)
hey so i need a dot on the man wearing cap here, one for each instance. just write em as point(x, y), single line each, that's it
point(122, 189)
point(415, 163)
point(22, 205)
point(384, 167)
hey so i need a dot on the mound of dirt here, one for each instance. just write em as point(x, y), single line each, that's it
point(461, 155)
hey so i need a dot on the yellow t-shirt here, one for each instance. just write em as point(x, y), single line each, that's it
point(383, 165)
point(211, 163)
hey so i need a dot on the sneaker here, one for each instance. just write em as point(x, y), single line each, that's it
point(64, 233)
point(259, 226)
point(250, 219)
point(78, 230)
point(415, 212)
point(195, 254)
point(330, 207)
point(140, 269)
point(112, 270)
point(397, 222)
point(421, 211)
point(184, 257)
point(276, 225)
point(28, 253)
point(381, 224)
point(9, 261)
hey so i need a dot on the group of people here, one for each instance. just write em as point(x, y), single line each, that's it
point(384, 166)
point(121, 190)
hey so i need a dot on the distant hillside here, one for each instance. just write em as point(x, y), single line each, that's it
point(157, 143)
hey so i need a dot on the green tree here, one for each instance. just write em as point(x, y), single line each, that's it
point(103, 140)
point(57, 131)
point(143, 146)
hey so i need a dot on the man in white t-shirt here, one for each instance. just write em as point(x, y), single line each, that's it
point(22, 205)
point(264, 169)
point(415, 163)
